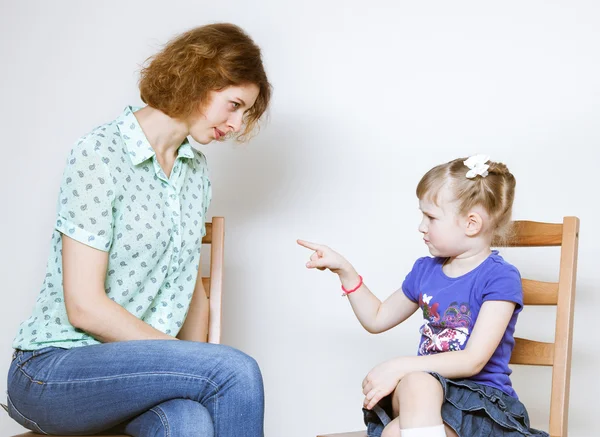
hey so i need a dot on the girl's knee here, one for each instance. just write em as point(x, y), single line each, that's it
point(417, 381)
point(418, 386)
point(418, 400)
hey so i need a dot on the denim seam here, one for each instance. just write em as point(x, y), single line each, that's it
point(216, 411)
point(21, 365)
point(26, 419)
point(163, 419)
point(130, 375)
point(29, 376)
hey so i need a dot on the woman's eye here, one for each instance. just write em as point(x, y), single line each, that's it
point(235, 105)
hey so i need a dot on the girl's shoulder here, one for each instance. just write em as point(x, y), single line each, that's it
point(426, 264)
point(499, 280)
point(497, 265)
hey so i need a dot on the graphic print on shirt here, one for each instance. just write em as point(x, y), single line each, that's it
point(446, 333)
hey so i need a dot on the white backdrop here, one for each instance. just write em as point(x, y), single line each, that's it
point(367, 97)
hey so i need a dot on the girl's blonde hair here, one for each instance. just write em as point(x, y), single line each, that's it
point(494, 192)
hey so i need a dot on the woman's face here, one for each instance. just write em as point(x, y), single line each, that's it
point(223, 114)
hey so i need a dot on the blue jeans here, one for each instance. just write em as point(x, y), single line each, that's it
point(146, 388)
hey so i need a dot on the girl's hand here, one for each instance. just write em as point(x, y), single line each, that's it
point(380, 382)
point(325, 258)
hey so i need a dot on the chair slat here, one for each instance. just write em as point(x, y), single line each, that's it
point(536, 353)
point(207, 239)
point(539, 293)
point(206, 283)
point(532, 234)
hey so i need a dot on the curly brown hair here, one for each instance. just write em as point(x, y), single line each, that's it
point(178, 79)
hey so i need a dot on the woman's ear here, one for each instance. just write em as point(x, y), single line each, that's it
point(474, 224)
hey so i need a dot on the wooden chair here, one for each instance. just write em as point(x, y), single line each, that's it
point(215, 236)
point(561, 294)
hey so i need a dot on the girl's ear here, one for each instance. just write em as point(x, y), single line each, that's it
point(474, 224)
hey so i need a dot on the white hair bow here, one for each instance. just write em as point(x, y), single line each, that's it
point(477, 166)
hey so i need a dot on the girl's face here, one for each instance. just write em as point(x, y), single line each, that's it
point(223, 114)
point(444, 232)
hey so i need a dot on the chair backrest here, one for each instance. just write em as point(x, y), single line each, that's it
point(561, 294)
point(213, 284)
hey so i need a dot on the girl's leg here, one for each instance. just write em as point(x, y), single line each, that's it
point(417, 404)
point(392, 429)
point(177, 417)
point(93, 388)
point(449, 431)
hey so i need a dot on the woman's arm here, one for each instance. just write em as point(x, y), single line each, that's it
point(195, 326)
point(88, 306)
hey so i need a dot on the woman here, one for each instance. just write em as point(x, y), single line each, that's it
point(100, 351)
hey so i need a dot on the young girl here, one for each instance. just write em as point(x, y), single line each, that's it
point(459, 383)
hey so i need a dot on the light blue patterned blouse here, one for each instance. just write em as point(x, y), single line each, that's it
point(115, 197)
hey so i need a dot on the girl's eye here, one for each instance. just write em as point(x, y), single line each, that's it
point(235, 105)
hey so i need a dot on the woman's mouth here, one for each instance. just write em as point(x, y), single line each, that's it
point(218, 134)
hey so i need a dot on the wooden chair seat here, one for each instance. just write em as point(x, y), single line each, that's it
point(213, 284)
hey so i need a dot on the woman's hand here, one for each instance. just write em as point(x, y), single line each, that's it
point(326, 258)
point(381, 381)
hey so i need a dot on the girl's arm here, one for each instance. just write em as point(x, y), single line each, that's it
point(88, 306)
point(195, 326)
point(372, 314)
point(491, 324)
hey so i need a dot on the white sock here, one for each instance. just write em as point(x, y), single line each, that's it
point(429, 431)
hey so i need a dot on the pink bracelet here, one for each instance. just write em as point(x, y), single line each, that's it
point(360, 283)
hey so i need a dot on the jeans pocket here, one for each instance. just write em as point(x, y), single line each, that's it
point(21, 419)
point(26, 362)
point(23, 357)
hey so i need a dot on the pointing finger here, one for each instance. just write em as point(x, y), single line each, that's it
point(309, 245)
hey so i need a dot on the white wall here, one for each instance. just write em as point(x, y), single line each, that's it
point(368, 96)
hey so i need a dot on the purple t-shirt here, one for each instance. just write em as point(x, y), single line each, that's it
point(451, 306)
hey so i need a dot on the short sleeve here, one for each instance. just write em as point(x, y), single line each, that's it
point(86, 199)
point(410, 284)
point(504, 284)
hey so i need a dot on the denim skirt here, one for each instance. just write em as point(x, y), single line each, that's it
point(471, 409)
